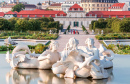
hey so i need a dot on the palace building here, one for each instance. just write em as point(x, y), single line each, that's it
point(97, 5)
point(75, 16)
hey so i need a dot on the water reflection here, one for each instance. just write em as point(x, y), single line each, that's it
point(25, 76)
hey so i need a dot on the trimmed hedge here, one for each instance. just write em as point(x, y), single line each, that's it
point(68, 28)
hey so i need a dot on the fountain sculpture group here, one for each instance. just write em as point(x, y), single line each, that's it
point(9, 41)
point(72, 62)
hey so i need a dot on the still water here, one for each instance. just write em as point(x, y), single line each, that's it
point(116, 42)
point(120, 74)
point(26, 42)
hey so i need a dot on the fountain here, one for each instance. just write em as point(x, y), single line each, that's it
point(72, 62)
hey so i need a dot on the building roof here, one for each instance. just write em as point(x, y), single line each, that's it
point(11, 13)
point(75, 7)
point(1, 14)
point(30, 6)
point(107, 14)
point(56, 4)
point(39, 3)
point(40, 13)
point(8, 6)
point(117, 6)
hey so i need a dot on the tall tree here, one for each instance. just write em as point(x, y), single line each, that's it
point(18, 7)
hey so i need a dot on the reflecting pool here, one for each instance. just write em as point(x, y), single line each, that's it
point(115, 42)
point(119, 74)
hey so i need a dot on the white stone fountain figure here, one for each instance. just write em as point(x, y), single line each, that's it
point(102, 32)
point(50, 31)
point(22, 60)
point(76, 63)
point(92, 31)
point(9, 41)
point(106, 56)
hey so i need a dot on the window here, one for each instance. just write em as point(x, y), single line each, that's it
point(98, 9)
point(93, 5)
point(70, 22)
point(86, 4)
point(129, 3)
point(97, 5)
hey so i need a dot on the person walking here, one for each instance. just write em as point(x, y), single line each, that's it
point(71, 31)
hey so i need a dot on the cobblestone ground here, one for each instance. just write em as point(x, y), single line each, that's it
point(63, 39)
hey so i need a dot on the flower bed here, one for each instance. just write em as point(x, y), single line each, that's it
point(28, 35)
point(119, 49)
point(39, 48)
point(113, 36)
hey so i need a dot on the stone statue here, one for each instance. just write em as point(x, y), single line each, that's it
point(50, 31)
point(105, 56)
point(9, 41)
point(20, 58)
point(92, 31)
point(76, 63)
point(102, 32)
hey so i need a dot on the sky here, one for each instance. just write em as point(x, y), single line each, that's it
point(36, 1)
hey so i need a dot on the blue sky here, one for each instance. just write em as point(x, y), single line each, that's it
point(36, 1)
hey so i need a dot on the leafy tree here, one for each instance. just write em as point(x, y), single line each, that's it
point(100, 20)
point(44, 25)
point(12, 22)
point(43, 19)
point(4, 24)
point(35, 24)
point(26, 18)
point(124, 26)
point(23, 25)
point(115, 26)
point(18, 7)
point(51, 19)
point(95, 25)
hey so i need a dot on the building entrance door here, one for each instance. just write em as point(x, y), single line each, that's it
point(76, 24)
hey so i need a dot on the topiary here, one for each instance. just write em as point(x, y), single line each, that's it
point(39, 48)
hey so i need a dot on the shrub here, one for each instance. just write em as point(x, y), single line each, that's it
point(4, 24)
point(39, 48)
point(35, 24)
point(23, 25)
point(68, 28)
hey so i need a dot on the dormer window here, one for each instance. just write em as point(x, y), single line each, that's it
point(28, 15)
point(96, 15)
point(90, 15)
point(35, 15)
point(43, 16)
point(50, 15)
point(78, 9)
point(109, 16)
point(20, 15)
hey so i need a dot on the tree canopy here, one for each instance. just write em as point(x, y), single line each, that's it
point(18, 7)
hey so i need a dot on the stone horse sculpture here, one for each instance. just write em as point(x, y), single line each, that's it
point(44, 61)
point(105, 56)
point(76, 63)
point(10, 41)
